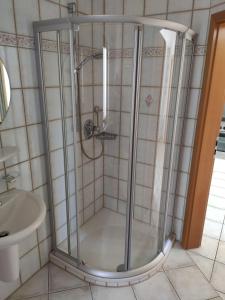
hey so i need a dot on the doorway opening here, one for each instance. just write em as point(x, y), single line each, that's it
point(204, 229)
point(213, 239)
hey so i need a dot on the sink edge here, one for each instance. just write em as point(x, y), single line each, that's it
point(11, 239)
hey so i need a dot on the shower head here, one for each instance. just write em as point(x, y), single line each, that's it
point(97, 55)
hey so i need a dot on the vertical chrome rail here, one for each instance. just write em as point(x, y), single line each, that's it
point(133, 143)
point(188, 87)
point(64, 133)
point(73, 99)
point(174, 135)
point(44, 116)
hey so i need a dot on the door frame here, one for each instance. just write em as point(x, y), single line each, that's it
point(208, 124)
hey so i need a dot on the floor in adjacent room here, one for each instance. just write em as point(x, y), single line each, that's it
point(180, 278)
point(210, 257)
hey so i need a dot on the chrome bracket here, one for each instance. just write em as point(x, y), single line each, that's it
point(71, 6)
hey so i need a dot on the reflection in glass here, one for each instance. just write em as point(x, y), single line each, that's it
point(4, 91)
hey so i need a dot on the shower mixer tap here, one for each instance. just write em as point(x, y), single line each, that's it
point(90, 129)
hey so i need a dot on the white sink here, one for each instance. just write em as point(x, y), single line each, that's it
point(21, 213)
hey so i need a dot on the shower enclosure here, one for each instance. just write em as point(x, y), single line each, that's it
point(113, 92)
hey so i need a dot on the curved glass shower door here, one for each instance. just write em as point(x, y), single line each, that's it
point(106, 56)
point(158, 82)
point(113, 98)
point(125, 89)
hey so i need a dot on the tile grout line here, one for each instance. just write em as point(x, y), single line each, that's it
point(168, 279)
point(93, 113)
point(194, 265)
point(120, 113)
point(10, 297)
point(77, 58)
point(27, 136)
point(133, 289)
point(208, 280)
point(48, 279)
point(198, 254)
point(64, 290)
point(103, 144)
point(217, 249)
point(91, 292)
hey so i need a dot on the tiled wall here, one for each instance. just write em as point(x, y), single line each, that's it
point(90, 171)
point(195, 14)
point(59, 116)
point(22, 126)
point(116, 152)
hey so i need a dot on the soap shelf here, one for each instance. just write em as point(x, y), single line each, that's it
point(7, 153)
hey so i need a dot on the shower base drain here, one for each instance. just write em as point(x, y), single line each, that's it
point(4, 234)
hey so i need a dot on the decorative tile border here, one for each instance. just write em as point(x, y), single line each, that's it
point(8, 39)
point(48, 45)
point(13, 40)
point(22, 41)
point(25, 42)
point(153, 51)
point(124, 53)
point(85, 51)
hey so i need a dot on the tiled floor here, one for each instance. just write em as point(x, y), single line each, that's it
point(179, 279)
point(198, 274)
point(210, 257)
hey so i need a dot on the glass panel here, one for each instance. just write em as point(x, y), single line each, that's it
point(69, 140)
point(56, 71)
point(181, 102)
point(167, 123)
point(103, 73)
point(105, 67)
point(155, 96)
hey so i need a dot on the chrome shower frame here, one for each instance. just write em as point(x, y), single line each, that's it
point(72, 24)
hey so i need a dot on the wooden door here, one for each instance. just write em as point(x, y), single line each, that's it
point(209, 118)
